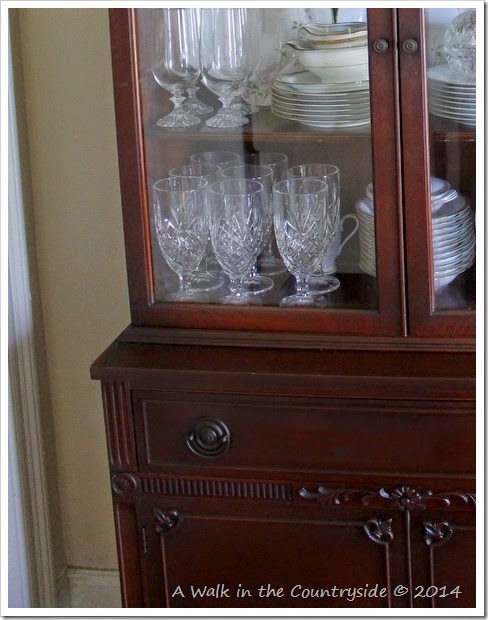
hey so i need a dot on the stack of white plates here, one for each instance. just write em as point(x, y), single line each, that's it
point(453, 233)
point(367, 244)
point(303, 97)
point(454, 240)
point(450, 96)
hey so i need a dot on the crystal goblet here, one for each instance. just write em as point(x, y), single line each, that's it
point(181, 223)
point(255, 282)
point(227, 60)
point(300, 207)
point(205, 279)
point(176, 60)
point(268, 262)
point(237, 211)
point(321, 283)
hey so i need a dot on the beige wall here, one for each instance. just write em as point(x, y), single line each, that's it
point(79, 252)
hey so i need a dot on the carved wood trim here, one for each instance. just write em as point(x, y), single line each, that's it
point(403, 498)
point(119, 425)
point(136, 484)
point(436, 533)
point(379, 530)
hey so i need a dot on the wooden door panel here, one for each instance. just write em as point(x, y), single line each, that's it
point(444, 560)
point(207, 560)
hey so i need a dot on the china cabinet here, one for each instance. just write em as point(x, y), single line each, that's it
point(263, 455)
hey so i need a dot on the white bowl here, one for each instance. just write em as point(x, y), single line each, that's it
point(351, 73)
point(332, 58)
point(345, 34)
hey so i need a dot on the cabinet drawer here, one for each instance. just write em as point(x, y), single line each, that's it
point(301, 434)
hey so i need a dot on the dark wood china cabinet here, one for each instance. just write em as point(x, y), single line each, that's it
point(271, 456)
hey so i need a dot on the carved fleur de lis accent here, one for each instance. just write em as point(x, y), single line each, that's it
point(166, 520)
point(436, 533)
point(379, 530)
point(406, 497)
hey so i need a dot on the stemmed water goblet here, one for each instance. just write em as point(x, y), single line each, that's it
point(204, 279)
point(193, 105)
point(269, 264)
point(176, 60)
point(237, 213)
point(221, 159)
point(255, 282)
point(181, 223)
point(227, 60)
point(300, 207)
point(320, 283)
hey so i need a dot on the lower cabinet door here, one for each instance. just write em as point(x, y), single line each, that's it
point(213, 553)
point(444, 559)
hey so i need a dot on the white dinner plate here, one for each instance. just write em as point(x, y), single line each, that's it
point(307, 82)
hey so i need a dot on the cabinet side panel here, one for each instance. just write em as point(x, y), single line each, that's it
point(128, 551)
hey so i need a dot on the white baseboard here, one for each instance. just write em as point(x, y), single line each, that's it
point(86, 587)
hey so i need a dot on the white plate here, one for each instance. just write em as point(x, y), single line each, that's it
point(323, 119)
point(329, 110)
point(287, 90)
point(466, 98)
point(455, 269)
point(291, 92)
point(449, 106)
point(307, 82)
point(443, 74)
point(320, 116)
point(336, 125)
point(320, 105)
point(455, 240)
point(454, 259)
point(452, 89)
point(459, 205)
point(446, 254)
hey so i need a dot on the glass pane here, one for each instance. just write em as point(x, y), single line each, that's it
point(451, 75)
point(275, 89)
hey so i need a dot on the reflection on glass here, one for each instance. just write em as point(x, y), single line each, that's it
point(307, 114)
point(451, 80)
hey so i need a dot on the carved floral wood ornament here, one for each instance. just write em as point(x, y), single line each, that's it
point(404, 498)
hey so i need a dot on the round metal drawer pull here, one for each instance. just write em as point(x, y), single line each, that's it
point(380, 46)
point(410, 46)
point(208, 437)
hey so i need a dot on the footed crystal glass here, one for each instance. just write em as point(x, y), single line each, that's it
point(237, 210)
point(176, 60)
point(181, 223)
point(300, 207)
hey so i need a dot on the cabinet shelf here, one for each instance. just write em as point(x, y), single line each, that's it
point(263, 126)
point(445, 130)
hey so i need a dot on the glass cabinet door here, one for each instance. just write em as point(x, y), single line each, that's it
point(264, 105)
point(439, 44)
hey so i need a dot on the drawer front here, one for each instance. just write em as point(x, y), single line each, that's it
point(302, 434)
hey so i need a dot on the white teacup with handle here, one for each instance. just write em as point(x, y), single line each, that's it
point(329, 260)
